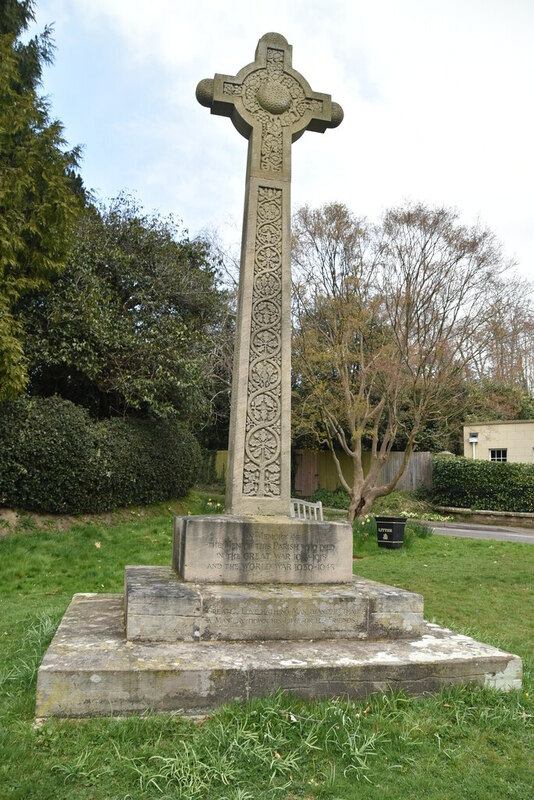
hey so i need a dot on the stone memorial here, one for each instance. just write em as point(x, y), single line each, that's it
point(256, 600)
point(271, 105)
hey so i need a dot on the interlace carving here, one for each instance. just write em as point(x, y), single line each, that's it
point(261, 472)
point(277, 100)
point(271, 105)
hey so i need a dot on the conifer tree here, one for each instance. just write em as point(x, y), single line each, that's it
point(38, 200)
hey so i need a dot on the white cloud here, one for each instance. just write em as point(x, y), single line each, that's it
point(437, 98)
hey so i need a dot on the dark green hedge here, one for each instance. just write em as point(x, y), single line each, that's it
point(55, 459)
point(488, 485)
point(207, 474)
point(337, 499)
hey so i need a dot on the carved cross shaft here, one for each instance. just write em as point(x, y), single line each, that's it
point(271, 105)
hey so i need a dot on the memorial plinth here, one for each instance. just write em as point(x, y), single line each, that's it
point(256, 601)
point(161, 608)
point(90, 668)
point(226, 549)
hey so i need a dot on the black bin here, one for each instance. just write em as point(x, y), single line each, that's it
point(390, 531)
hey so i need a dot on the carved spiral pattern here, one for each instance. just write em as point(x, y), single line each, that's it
point(261, 473)
point(277, 100)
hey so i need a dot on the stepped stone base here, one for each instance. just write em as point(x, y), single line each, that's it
point(161, 607)
point(91, 669)
point(224, 549)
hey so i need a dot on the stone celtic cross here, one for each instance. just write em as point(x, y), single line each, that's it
point(271, 105)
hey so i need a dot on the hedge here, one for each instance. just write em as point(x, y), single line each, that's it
point(487, 485)
point(337, 499)
point(54, 458)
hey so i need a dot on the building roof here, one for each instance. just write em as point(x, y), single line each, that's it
point(500, 422)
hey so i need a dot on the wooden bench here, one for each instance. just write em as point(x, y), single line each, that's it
point(302, 509)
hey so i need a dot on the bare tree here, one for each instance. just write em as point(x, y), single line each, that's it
point(505, 350)
point(218, 375)
point(383, 315)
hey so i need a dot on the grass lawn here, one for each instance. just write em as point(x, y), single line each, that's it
point(465, 743)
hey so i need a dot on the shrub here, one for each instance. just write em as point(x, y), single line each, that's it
point(419, 529)
point(167, 460)
point(54, 442)
point(115, 467)
point(416, 530)
point(55, 459)
point(489, 485)
point(363, 527)
point(13, 416)
point(337, 499)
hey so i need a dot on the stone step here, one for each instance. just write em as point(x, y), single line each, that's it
point(91, 669)
point(161, 607)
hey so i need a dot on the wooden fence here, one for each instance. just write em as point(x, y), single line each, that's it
point(418, 473)
point(315, 469)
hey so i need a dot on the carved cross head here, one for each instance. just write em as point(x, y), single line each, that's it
point(272, 102)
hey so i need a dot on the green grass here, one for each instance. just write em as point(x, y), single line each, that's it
point(481, 587)
point(397, 503)
point(464, 743)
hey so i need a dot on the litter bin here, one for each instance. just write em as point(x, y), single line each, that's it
point(390, 531)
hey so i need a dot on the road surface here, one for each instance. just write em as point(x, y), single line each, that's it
point(470, 530)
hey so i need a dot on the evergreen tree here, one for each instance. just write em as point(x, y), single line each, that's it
point(38, 200)
point(136, 322)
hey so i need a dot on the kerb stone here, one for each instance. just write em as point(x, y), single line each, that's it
point(225, 549)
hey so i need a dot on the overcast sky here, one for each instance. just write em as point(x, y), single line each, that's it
point(437, 94)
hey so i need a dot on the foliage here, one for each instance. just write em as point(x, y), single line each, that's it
point(499, 380)
point(416, 530)
point(488, 400)
point(133, 323)
point(419, 529)
point(409, 505)
point(56, 459)
point(207, 473)
point(38, 204)
point(336, 499)
point(363, 528)
point(466, 483)
point(464, 742)
point(211, 505)
point(385, 321)
point(398, 504)
point(481, 399)
point(46, 461)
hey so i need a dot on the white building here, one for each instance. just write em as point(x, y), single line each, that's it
point(510, 440)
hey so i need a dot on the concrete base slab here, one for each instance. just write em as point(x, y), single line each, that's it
point(91, 669)
point(220, 548)
point(161, 607)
